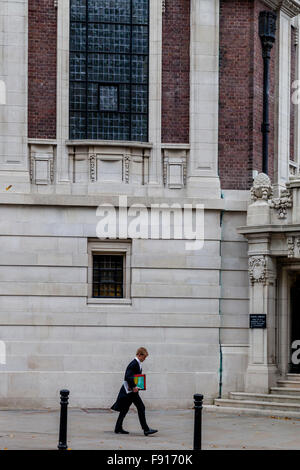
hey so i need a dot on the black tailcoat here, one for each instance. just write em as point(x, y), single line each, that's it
point(124, 399)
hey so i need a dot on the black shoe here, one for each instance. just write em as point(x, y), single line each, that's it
point(121, 431)
point(150, 431)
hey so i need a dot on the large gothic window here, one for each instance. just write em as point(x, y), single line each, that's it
point(109, 69)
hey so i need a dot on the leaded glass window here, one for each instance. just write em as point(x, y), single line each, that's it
point(108, 276)
point(109, 57)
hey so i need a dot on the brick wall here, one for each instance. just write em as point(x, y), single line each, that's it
point(241, 94)
point(41, 69)
point(175, 72)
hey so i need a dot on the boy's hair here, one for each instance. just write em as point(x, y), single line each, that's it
point(142, 351)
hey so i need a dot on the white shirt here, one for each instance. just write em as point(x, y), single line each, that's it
point(140, 364)
point(125, 382)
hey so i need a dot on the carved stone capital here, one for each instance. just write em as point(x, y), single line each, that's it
point(257, 269)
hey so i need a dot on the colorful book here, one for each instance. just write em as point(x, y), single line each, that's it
point(140, 381)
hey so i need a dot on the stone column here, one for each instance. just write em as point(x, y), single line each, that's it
point(287, 10)
point(62, 131)
point(261, 371)
point(155, 91)
point(203, 160)
point(14, 162)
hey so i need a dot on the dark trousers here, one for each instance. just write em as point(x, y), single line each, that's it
point(138, 402)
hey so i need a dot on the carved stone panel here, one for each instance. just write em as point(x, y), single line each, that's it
point(257, 269)
point(41, 165)
point(174, 168)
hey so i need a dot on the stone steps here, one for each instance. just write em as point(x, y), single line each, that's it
point(284, 391)
point(283, 400)
point(258, 405)
point(295, 377)
point(289, 383)
point(265, 397)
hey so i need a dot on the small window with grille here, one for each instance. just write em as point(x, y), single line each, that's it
point(108, 276)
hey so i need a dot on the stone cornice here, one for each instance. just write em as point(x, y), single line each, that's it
point(290, 7)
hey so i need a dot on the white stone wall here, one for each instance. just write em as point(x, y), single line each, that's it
point(13, 114)
point(55, 339)
point(179, 302)
point(188, 308)
point(234, 303)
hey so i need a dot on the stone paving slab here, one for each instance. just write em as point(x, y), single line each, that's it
point(93, 429)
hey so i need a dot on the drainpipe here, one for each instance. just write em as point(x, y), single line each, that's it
point(267, 32)
point(220, 313)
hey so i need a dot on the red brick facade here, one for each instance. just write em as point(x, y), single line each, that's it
point(176, 72)
point(241, 94)
point(42, 16)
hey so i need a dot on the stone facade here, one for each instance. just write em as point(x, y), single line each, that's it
point(189, 308)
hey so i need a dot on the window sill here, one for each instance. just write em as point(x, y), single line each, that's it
point(94, 301)
point(108, 143)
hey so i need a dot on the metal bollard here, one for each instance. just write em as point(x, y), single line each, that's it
point(64, 400)
point(198, 400)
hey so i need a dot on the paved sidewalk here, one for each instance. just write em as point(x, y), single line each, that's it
point(93, 429)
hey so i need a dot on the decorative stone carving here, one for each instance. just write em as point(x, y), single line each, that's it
point(291, 247)
point(296, 36)
point(163, 5)
point(41, 165)
point(262, 188)
point(282, 203)
point(93, 168)
point(126, 168)
point(290, 7)
point(174, 168)
point(257, 269)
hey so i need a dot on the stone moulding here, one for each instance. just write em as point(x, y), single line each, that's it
point(257, 269)
point(290, 7)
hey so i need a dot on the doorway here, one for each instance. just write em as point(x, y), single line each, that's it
point(294, 367)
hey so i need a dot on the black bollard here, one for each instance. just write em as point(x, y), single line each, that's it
point(64, 400)
point(198, 400)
